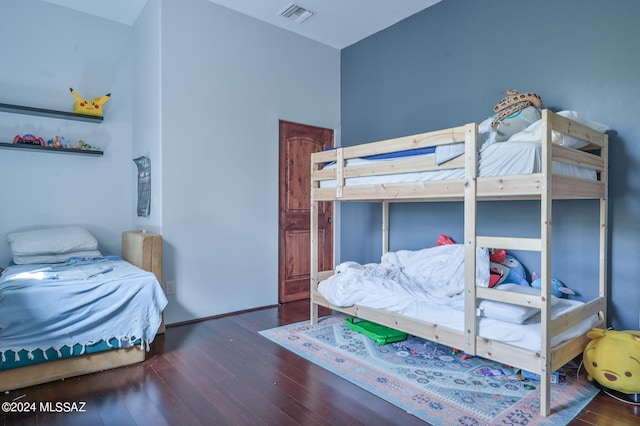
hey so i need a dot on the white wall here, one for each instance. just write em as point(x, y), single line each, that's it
point(226, 81)
point(45, 50)
point(197, 88)
point(147, 121)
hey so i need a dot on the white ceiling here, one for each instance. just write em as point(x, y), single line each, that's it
point(336, 23)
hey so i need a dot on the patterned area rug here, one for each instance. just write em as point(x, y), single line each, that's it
point(429, 380)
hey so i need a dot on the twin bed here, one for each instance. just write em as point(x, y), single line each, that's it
point(66, 309)
point(561, 157)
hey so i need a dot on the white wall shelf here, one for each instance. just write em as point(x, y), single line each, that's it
point(50, 113)
point(4, 145)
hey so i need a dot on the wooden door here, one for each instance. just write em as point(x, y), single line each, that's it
point(297, 142)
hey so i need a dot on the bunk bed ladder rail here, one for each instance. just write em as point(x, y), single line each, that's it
point(313, 241)
point(546, 202)
point(545, 266)
point(313, 264)
point(542, 245)
point(470, 241)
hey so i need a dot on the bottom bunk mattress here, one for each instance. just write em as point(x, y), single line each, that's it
point(82, 305)
point(428, 285)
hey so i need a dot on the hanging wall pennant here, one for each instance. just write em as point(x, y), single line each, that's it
point(144, 185)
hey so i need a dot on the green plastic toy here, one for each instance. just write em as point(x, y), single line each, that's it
point(377, 332)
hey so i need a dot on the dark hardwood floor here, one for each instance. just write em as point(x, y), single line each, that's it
point(222, 372)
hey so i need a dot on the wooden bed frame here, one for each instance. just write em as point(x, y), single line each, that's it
point(543, 186)
point(141, 249)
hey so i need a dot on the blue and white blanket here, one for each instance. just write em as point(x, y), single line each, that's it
point(81, 301)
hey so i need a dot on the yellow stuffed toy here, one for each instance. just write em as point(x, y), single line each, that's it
point(612, 358)
point(87, 106)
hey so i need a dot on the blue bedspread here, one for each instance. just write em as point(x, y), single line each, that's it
point(81, 301)
point(396, 154)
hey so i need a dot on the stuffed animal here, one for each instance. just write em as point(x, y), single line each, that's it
point(505, 268)
point(558, 289)
point(497, 273)
point(514, 113)
point(517, 122)
point(87, 106)
point(517, 274)
point(612, 358)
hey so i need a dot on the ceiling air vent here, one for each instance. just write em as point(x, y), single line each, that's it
point(295, 13)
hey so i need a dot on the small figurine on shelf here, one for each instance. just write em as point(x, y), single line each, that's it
point(86, 146)
point(28, 139)
point(56, 142)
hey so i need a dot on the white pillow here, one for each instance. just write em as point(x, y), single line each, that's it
point(508, 312)
point(51, 241)
point(572, 142)
point(534, 131)
point(53, 258)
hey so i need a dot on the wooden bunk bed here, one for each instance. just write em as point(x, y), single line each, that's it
point(543, 185)
point(143, 250)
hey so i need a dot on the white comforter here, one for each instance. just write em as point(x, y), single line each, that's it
point(405, 278)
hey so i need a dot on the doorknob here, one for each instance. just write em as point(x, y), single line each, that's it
point(329, 219)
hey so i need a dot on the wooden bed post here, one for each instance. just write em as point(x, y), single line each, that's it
point(545, 267)
point(604, 210)
point(144, 250)
point(470, 233)
point(340, 182)
point(385, 227)
point(313, 241)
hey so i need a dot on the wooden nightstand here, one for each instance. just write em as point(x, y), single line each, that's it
point(144, 250)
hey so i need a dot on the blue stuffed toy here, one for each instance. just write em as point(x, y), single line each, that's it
point(558, 288)
point(517, 274)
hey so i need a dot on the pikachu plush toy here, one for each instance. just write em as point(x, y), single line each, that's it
point(87, 106)
point(612, 358)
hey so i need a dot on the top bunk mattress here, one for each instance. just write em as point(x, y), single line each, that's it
point(496, 159)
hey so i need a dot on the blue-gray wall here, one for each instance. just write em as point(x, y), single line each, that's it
point(447, 66)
